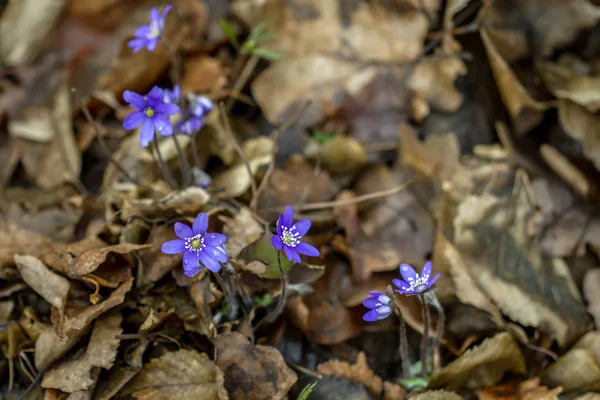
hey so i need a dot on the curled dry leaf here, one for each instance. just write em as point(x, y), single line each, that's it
point(581, 125)
point(241, 230)
point(183, 374)
point(527, 390)
point(52, 287)
point(252, 372)
point(491, 359)
point(360, 372)
point(76, 375)
point(237, 179)
point(190, 200)
point(74, 320)
point(591, 291)
point(579, 368)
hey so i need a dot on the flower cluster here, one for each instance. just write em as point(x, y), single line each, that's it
point(200, 249)
point(289, 235)
point(148, 35)
point(200, 106)
point(412, 284)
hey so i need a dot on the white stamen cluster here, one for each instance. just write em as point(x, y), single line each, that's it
point(195, 243)
point(289, 237)
point(417, 285)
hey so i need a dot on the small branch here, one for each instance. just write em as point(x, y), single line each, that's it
point(243, 78)
point(275, 138)
point(337, 203)
point(238, 148)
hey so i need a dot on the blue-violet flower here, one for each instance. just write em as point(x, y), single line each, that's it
point(200, 249)
point(190, 126)
point(148, 35)
point(172, 96)
point(413, 283)
point(289, 235)
point(380, 307)
point(200, 105)
point(151, 112)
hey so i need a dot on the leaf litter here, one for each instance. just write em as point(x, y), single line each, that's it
point(151, 150)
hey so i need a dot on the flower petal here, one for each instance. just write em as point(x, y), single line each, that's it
point(370, 302)
point(173, 247)
point(200, 224)
point(154, 16)
point(214, 239)
point(276, 242)
point(435, 278)
point(166, 10)
point(151, 45)
point(291, 254)
point(155, 93)
point(408, 273)
point(142, 32)
point(134, 120)
point(193, 271)
point(162, 125)
point(216, 254)
point(288, 217)
point(167, 108)
point(400, 283)
point(371, 316)
point(302, 226)
point(307, 249)
point(147, 132)
point(190, 261)
point(137, 44)
point(182, 230)
point(210, 262)
point(426, 270)
point(135, 100)
point(279, 222)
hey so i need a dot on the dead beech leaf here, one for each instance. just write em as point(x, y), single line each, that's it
point(75, 375)
point(436, 395)
point(49, 347)
point(358, 372)
point(52, 287)
point(252, 372)
point(581, 125)
point(343, 155)
point(588, 396)
point(236, 180)
point(491, 359)
point(156, 263)
point(14, 240)
point(203, 75)
point(527, 390)
point(241, 230)
point(183, 374)
point(189, 200)
point(75, 320)
point(525, 111)
point(591, 291)
point(24, 26)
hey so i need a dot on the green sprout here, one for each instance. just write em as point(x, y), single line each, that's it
point(252, 45)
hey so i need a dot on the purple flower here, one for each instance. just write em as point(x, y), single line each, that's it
point(148, 35)
point(200, 105)
point(288, 237)
point(413, 283)
point(379, 304)
point(200, 249)
point(151, 112)
point(172, 96)
point(191, 125)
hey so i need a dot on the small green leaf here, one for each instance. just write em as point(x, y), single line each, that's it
point(267, 54)
point(229, 32)
point(307, 391)
point(266, 37)
point(263, 301)
point(262, 250)
point(323, 137)
point(257, 31)
point(248, 46)
point(414, 383)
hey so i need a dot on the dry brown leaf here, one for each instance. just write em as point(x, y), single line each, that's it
point(358, 372)
point(577, 370)
point(156, 263)
point(582, 125)
point(183, 374)
point(14, 240)
point(588, 396)
point(76, 375)
point(241, 230)
point(591, 291)
point(49, 347)
point(436, 395)
point(491, 359)
point(236, 180)
point(203, 75)
point(525, 111)
point(52, 287)
point(189, 200)
point(58, 222)
point(566, 169)
point(252, 372)
point(527, 390)
point(25, 26)
point(343, 155)
point(74, 320)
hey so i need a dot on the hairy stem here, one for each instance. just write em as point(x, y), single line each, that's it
point(425, 340)
point(164, 168)
point(403, 348)
point(432, 299)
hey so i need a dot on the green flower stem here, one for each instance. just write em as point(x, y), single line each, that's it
point(404, 354)
point(432, 299)
point(425, 340)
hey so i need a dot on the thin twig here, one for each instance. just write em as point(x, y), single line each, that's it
point(275, 138)
point(185, 164)
point(243, 78)
point(238, 148)
point(354, 200)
